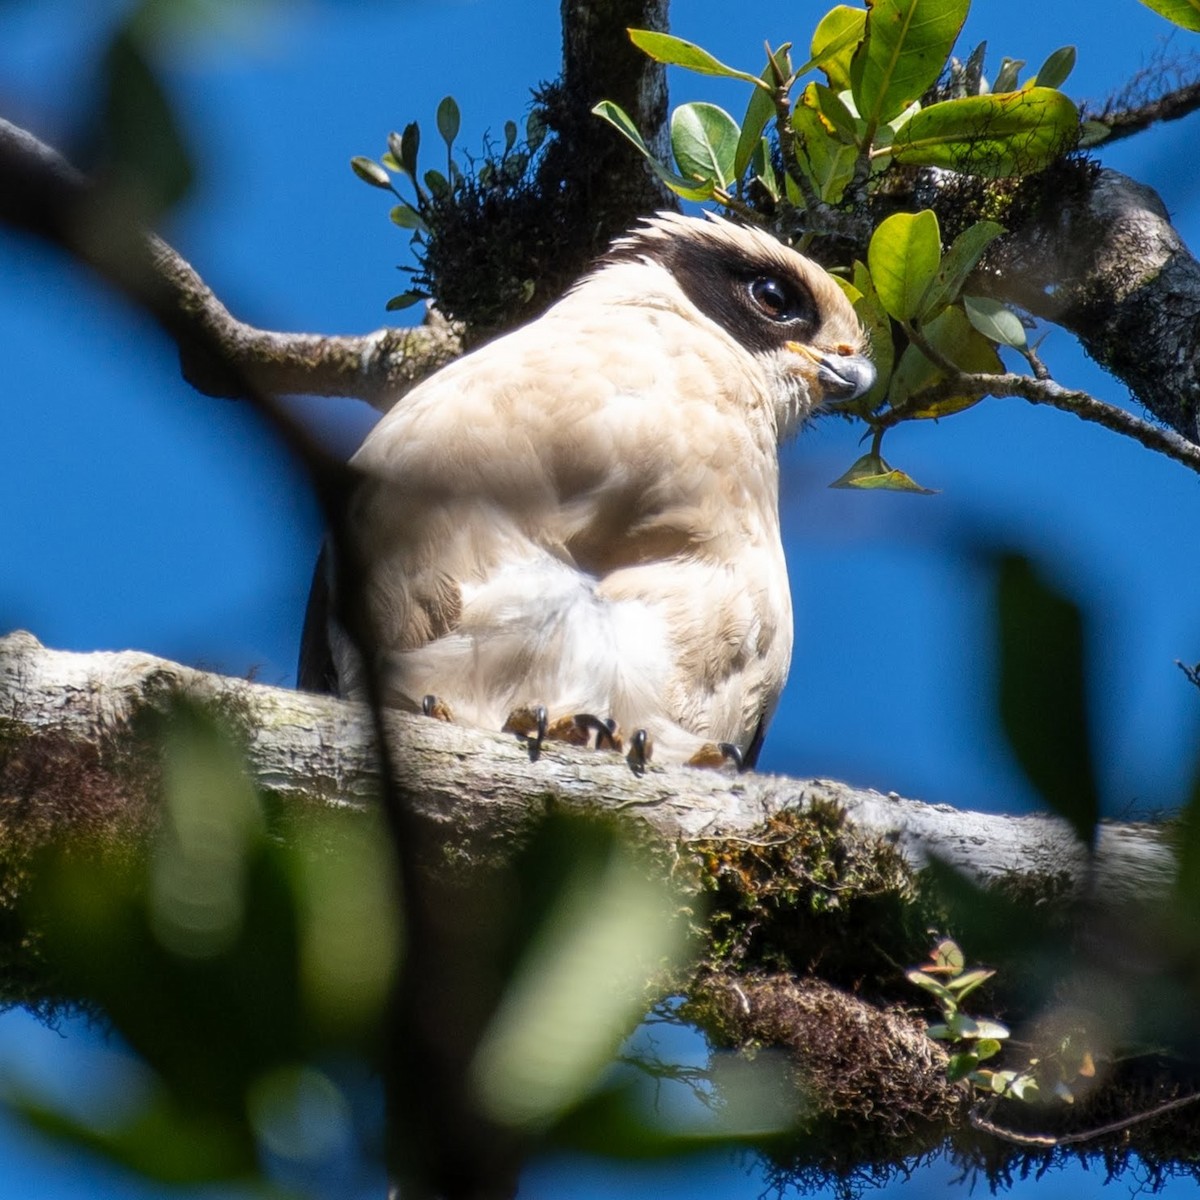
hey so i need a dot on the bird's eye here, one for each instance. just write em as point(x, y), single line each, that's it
point(774, 299)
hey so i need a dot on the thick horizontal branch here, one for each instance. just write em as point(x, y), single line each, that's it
point(475, 784)
point(1100, 257)
point(42, 194)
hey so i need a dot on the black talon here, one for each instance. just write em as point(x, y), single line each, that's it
point(733, 754)
point(543, 720)
point(637, 751)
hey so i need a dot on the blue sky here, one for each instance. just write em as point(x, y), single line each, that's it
point(139, 514)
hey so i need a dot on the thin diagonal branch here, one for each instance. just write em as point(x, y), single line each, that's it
point(43, 195)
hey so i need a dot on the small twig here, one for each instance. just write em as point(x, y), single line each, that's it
point(1039, 391)
point(1015, 1137)
point(1175, 104)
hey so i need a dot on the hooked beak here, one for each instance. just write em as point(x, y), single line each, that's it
point(842, 376)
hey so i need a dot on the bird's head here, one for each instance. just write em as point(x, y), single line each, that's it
point(780, 307)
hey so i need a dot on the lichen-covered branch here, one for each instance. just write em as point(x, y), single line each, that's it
point(1100, 258)
point(42, 194)
point(482, 786)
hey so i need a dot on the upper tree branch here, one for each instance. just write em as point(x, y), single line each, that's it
point(1102, 260)
point(42, 194)
point(1125, 122)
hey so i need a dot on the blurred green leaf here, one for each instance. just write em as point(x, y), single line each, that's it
point(906, 47)
point(1043, 692)
point(1054, 72)
point(704, 141)
point(448, 120)
point(143, 151)
point(995, 320)
point(994, 136)
point(579, 986)
point(1184, 13)
point(675, 52)
point(903, 257)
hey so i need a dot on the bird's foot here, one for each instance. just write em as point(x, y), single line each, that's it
point(532, 723)
point(435, 707)
point(578, 728)
point(717, 754)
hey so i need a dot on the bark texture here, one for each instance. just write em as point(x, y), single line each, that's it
point(1103, 261)
point(481, 787)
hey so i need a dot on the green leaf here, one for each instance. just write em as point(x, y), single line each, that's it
point(369, 171)
point(448, 120)
point(437, 183)
point(903, 256)
point(1008, 76)
point(510, 135)
point(404, 300)
point(578, 986)
point(1092, 133)
point(879, 330)
point(872, 473)
point(952, 335)
point(834, 41)
point(994, 136)
point(1054, 72)
point(675, 52)
point(704, 140)
point(759, 111)
point(986, 1048)
point(407, 217)
point(142, 142)
point(833, 109)
point(957, 264)
point(764, 168)
point(1042, 700)
point(916, 976)
point(963, 985)
point(827, 162)
point(404, 147)
point(905, 50)
point(995, 320)
point(947, 956)
point(959, 1066)
point(616, 116)
point(1184, 13)
point(535, 131)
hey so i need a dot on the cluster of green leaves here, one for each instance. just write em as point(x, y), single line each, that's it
point(432, 188)
point(817, 149)
point(972, 1039)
